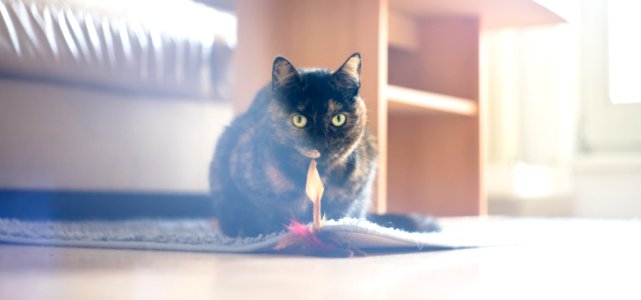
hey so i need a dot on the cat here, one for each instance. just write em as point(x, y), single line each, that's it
point(258, 172)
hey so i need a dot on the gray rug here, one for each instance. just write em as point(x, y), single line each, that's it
point(197, 235)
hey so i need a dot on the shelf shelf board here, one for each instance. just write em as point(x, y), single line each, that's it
point(493, 13)
point(411, 101)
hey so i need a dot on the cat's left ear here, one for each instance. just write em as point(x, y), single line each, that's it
point(348, 76)
point(284, 74)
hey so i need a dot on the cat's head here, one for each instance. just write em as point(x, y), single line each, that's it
point(317, 111)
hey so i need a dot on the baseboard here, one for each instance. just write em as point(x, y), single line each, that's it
point(76, 205)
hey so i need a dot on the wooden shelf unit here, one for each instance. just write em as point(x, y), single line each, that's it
point(420, 82)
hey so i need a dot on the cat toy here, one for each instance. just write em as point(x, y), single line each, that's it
point(311, 239)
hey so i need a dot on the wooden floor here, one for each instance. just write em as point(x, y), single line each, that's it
point(508, 272)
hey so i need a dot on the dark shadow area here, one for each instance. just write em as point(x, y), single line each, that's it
point(79, 205)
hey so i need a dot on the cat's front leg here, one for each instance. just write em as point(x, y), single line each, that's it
point(238, 217)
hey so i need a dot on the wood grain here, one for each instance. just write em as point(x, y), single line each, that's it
point(434, 163)
point(493, 13)
point(412, 101)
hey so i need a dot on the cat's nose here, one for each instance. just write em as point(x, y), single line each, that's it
point(312, 153)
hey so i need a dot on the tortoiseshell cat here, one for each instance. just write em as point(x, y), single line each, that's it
point(258, 173)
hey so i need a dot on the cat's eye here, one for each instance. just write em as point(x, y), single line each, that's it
point(338, 120)
point(299, 120)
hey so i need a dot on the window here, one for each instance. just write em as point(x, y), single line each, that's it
point(624, 48)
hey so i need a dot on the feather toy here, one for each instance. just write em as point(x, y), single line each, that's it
point(312, 240)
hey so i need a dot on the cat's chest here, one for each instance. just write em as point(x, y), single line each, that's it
point(285, 180)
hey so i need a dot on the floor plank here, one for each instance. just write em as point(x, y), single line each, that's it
point(553, 259)
point(509, 272)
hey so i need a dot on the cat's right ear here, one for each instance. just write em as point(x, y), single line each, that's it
point(348, 77)
point(284, 74)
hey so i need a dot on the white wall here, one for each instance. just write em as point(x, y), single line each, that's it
point(607, 169)
point(605, 127)
point(548, 108)
point(608, 186)
point(531, 94)
point(531, 90)
point(54, 137)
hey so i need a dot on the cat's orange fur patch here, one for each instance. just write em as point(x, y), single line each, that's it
point(333, 107)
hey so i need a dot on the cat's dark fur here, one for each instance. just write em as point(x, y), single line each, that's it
point(258, 173)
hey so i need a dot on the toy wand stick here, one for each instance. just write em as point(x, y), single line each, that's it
point(314, 190)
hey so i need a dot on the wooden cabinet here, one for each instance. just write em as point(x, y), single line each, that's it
point(420, 81)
